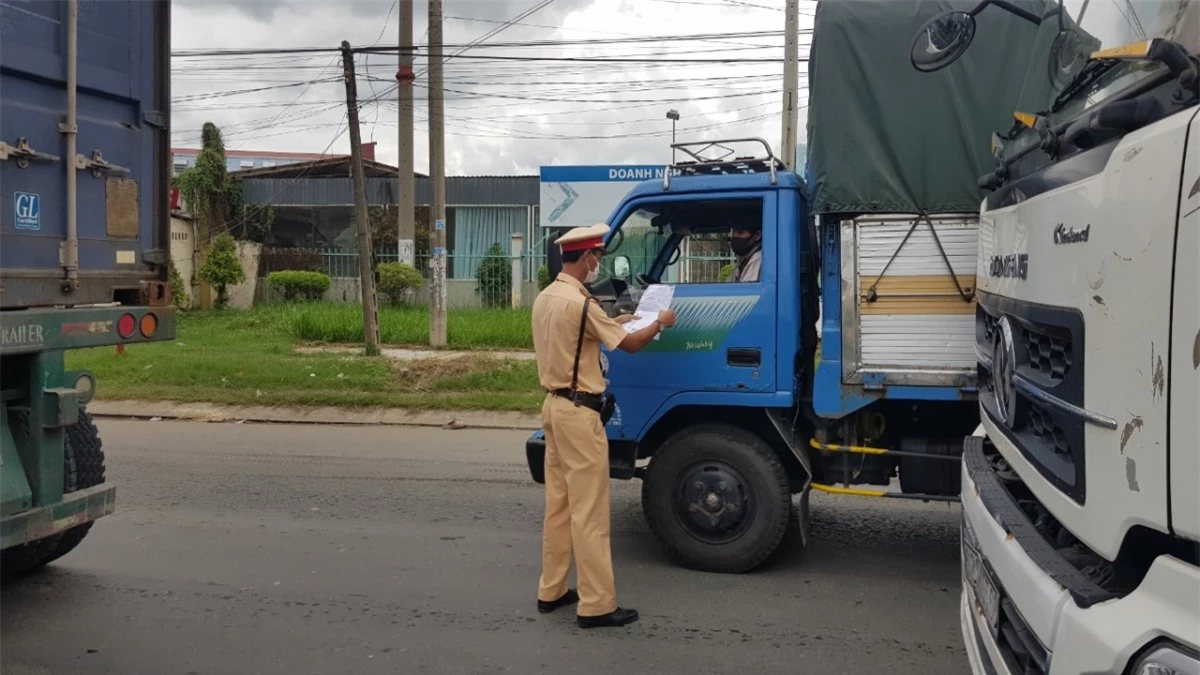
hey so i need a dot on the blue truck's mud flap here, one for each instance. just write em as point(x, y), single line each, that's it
point(622, 456)
point(535, 454)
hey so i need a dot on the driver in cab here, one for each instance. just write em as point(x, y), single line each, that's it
point(746, 242)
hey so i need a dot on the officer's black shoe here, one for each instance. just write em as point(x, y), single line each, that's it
point(618, 617)
point(568, 598)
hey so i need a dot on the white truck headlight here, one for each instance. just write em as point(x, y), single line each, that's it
point(1168, 659)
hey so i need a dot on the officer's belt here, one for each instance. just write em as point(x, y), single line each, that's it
point(590, 401)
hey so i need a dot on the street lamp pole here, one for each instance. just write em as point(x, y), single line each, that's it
point(673, 115)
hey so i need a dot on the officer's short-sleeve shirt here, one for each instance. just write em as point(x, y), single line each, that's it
point(556, 314)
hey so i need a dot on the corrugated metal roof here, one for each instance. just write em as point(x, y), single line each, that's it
point(460, 191)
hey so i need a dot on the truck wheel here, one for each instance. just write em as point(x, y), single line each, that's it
point(83, 468)
point(717, 497)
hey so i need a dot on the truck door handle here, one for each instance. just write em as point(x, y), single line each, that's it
point(744, 357)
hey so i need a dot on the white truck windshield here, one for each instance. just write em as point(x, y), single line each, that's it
point(1114, 23)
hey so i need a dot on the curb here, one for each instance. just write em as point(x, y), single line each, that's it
point(328, 415)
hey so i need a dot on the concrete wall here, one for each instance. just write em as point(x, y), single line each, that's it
point(183, 252)
point(242, 295)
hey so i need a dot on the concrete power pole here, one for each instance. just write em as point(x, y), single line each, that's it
point(791, 83)
point(361, 217)
point(407, 204)
point(437, 175)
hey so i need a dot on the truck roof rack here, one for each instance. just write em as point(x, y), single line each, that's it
point(725, 164)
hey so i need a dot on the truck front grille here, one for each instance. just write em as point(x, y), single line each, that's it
point(1048, 353)
point(1046, 429)
point(1019, 647)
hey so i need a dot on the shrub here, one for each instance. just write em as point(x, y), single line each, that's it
point(726, 271)
point(543, 277)
point(297, 284)
point(222, 267)
point(179, 294)
point(495, 278)
point(398, 280)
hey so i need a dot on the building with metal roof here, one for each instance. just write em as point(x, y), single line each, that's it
point(314, 206)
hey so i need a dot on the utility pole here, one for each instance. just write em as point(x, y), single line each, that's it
point(362, 220)
point(791, 82)
point(437, 175)
point(407, 206)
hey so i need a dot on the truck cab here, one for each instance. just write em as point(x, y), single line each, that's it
point(1081, 520)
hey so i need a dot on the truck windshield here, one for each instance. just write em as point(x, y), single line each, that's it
point(1104, 24)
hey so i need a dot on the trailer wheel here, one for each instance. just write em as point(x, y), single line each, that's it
point(83, 468)
point(717, 497)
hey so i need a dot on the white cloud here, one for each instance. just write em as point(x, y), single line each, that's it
point(502, 117)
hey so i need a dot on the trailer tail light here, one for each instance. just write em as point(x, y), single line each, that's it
point(149, 325)
point(126, 325)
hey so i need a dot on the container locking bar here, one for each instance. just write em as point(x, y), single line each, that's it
point(23, 153)
point(97, 164)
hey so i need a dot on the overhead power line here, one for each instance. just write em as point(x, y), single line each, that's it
point(583, 42)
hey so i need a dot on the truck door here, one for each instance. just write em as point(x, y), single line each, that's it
point(724, 342)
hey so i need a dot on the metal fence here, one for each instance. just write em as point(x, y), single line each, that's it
point(474, 280)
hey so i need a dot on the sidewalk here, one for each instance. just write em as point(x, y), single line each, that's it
point(208, 412)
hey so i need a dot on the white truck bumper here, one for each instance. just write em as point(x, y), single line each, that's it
point(1032, 624)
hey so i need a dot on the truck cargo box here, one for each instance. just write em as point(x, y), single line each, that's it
point(121, 161)
point(910, 294)
point(893, 161)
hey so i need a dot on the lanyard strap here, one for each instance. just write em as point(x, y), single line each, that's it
point(579, 345)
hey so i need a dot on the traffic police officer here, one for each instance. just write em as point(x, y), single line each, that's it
point(576, 464)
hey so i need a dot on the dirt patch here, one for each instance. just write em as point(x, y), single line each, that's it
point(422, 374)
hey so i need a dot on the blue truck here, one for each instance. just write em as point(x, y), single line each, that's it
point(849, 366)
point(85, 171)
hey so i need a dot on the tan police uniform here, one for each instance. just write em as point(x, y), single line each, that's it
point(577, 479)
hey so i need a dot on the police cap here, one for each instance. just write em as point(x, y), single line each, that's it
point(583, 238)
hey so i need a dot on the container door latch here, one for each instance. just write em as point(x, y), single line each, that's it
point(97, 164)
point(23, 153)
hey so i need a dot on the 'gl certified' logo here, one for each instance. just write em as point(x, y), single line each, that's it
point(1004, 371)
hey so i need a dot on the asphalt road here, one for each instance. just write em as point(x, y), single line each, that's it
point(247, 549)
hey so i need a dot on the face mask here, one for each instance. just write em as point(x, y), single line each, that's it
point(593, 273)
point(741, 245)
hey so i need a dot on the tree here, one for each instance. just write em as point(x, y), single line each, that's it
point(205, 186)
point(495, 278)
point(222, 268)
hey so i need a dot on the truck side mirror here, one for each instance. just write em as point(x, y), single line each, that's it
point(621, 267)
point(942, 40)
point(1067, 57)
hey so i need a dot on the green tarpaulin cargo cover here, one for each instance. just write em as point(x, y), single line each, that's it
point(886, 138)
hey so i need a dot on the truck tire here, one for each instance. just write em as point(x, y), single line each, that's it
point(83, 468)
point(718, 498)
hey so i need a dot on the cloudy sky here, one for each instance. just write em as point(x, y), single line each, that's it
point(506, 115)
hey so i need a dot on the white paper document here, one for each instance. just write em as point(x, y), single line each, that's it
point(655, 298)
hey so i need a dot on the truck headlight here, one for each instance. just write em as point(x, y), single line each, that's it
point(1167, 659)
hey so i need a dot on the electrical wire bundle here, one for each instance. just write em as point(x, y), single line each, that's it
point(602, 87)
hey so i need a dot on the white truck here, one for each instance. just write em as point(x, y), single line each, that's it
point(1081, 491)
